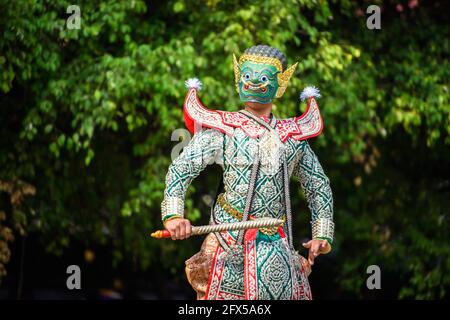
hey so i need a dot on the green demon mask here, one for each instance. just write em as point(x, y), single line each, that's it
point(261, 74)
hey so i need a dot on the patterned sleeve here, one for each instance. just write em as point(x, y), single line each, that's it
point(201, 151)
point(316, 186)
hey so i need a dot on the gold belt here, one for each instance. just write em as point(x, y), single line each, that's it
point(232, 211)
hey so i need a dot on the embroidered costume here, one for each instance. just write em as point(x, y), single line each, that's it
point(258, 155)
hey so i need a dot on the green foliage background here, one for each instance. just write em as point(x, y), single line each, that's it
point(87, 115)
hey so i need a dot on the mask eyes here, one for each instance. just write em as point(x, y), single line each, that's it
point(246, 76)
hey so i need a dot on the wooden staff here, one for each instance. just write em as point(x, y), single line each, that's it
point(234, 226)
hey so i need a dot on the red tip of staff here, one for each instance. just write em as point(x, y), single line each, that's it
point(160, 234)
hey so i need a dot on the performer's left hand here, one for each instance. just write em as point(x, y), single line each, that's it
point(316, 247)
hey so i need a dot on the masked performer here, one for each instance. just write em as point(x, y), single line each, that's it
point(258, 154)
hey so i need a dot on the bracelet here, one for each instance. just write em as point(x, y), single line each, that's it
point(323, 228)
point(172, 206)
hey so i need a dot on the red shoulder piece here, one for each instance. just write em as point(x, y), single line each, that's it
point(308, 125)
point(310, 122)
point(196, 116)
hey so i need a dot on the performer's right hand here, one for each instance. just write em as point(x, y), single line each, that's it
point(179, 228)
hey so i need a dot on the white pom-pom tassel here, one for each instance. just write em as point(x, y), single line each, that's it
point(193, 83)
point(309, 92)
